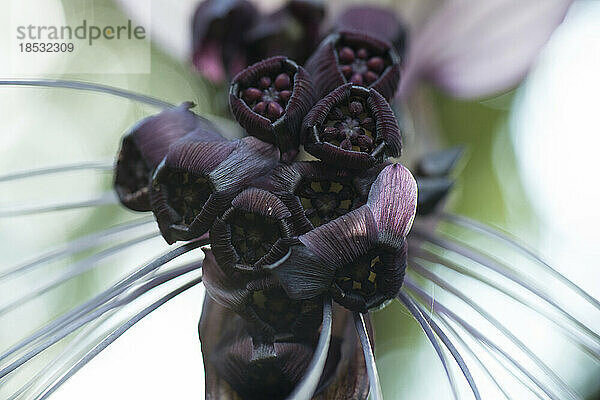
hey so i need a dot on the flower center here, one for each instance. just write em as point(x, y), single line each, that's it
point(325, 200)
point(252, 235)
point(350, 126)
point(361, 278)
point(187, 193)
point(360, 65)
point(269, 95)
point(134, 172)
point(274, 307)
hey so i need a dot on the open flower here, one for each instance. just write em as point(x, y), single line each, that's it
point(355, 57)
point(360, 257)
point(146, 145)
point(248, 234)
point(321, 191)
point(269, 100)
point(352, 127)
point(197, 180)
point(232, 361)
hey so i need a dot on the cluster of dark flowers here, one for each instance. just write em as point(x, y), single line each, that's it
point(283, 232)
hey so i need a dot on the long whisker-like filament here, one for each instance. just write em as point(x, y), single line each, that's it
point(451, 348)
point(92, 87)
point(497, 267)
point(504, 238)
point(107, 165)
point(307, 386)
point(75, 270)
point(579, 338)
point(421, 270)
point(102, 298)
point(438, 307)
point(116, 334)
point(459, 337)
point(361, 329)
point(107, 198)
point(474, 356)
point(73, 247)
point(418, 316)
point(68, 329)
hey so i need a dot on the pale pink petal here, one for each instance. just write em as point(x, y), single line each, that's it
point(477, 48)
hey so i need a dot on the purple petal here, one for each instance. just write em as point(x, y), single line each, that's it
point(343, 239)
point(393, 202)
point(220, 286)
point(262, 202)
point(475, 49)
point(303, 274)
point(147, 144)
point(251, 159)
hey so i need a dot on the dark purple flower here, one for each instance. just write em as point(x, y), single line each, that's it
point(378, 22)
point(197, 180)
point(360, 257)
point(269, 100)
point(219, 27)
point(321, 191)
point(355, 57)
point(146, 145)
point(352, 127)
point(235, 366)
point(257, 297)
point(294, 31)
point(249, 233)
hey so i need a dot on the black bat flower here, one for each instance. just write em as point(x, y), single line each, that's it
point(355, 57)
point(144, 147)
point(269, 100)
point(352, 127)
point(321, 191)
point(197, 180)
point(360, 257)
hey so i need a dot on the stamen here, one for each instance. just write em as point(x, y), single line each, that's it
point(92, 87)
point(307, 386)
point(104, 297)
point(117, 303)
point(499, 268)
point(420, 269)
point(503, 237)
point(440, 308)
point(73, 247)
point(418, 316)
point(75, 270)
point(108, 198)
point(115, 335)
point(107, 165)
point(361, 329)
point(449, 345)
